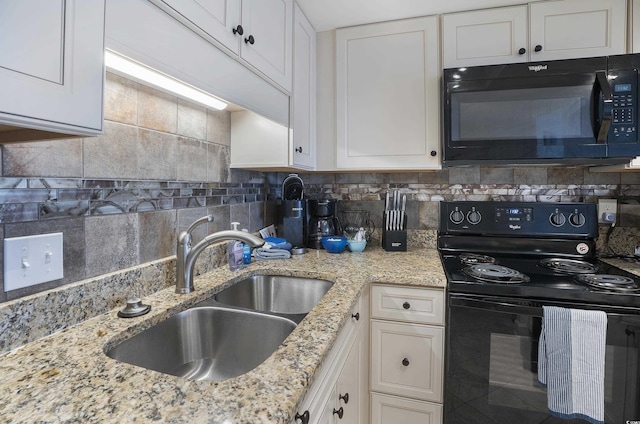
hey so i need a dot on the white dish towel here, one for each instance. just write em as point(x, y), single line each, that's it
point(571, 356)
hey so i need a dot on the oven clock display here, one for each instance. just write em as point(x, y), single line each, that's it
point(511, 215)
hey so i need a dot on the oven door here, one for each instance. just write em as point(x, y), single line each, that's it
point(491, 364)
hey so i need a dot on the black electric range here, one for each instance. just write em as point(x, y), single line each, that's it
point(532, 250)
point(505, 262)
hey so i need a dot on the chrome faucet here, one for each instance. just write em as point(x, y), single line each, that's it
point(186, 256)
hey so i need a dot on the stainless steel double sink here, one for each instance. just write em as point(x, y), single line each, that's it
point(227, 335)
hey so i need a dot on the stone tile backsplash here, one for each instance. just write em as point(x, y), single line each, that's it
point(121, 198)
point(424, 191)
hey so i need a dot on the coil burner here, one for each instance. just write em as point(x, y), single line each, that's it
point(568, 266)
point(609, 282)
point(495, 274)
point(474, 258)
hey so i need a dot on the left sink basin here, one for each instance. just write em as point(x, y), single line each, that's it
point(206, 343)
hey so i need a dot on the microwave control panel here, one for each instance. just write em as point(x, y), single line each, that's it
point(625, 107)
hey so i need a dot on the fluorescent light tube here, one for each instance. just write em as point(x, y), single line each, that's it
point(144, 74)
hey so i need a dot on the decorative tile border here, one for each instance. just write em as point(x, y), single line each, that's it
point(34, 199)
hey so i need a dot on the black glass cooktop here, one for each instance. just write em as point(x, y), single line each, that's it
point(558, 280)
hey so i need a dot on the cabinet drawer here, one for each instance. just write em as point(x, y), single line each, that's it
point(407, 359)
point(408, 304)
point(390, 409)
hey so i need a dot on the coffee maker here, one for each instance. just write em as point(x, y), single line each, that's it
point(323, 221)
point(292, 212)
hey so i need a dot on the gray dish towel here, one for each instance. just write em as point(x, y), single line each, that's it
point(571, 356)
point(262, 254)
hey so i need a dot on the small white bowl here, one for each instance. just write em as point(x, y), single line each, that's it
point(357, 246)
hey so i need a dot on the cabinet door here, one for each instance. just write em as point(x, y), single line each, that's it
point(407, 360)
point(577, 28)
point(267, 40)
point(216, 18)
point(303, 99)
point(52, 64)
point(485, 37)
point(352, 386)
point(420, 305)
point(387, 84)
point(257, 142)
point(634, 31)
point(393, 410)
point(327, 415)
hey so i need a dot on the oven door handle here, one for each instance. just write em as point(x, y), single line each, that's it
point(496, 305)
point(520, 307)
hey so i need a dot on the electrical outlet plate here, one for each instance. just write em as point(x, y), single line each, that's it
point(607, 208)
point(32, 260)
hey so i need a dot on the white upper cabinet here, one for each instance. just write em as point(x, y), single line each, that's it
point(634, 30)
point(259, 32)
point(257, 143)
point(485, 37)
point(547, 30)
point(143, 32)
point(267, 40)
point(52, 65)
point(387, 79)
point(577, 28)
point(303, 99)
point(218, 18)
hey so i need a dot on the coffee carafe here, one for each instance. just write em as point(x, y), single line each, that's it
point(323, 221)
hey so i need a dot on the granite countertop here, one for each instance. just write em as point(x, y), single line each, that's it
point(630, 266)
point(66, 377)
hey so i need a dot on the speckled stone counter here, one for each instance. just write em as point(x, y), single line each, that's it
point(66, 377)
point(631, 266)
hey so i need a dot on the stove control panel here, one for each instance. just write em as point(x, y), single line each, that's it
point(519, 218)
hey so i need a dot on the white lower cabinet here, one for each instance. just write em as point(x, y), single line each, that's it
point(387, 409)
point(352, 388)
point(407, 354)
point(407, 359)
point(340, 392)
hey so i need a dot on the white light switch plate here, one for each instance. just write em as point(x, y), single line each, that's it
point(32, 260)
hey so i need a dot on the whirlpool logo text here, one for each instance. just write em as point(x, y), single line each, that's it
point(538, 68)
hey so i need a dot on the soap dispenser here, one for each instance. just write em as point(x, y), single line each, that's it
point(234, 251)
point(246, 251)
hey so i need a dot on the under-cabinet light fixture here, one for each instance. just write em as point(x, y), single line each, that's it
point(146, 75)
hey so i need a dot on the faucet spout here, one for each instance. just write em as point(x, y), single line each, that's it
point(186, 260)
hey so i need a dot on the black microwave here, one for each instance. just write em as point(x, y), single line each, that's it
point(576, 111)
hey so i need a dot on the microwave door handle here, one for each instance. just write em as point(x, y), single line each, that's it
point(607, 101)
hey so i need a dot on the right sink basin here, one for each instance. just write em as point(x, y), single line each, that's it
point(275, 293)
